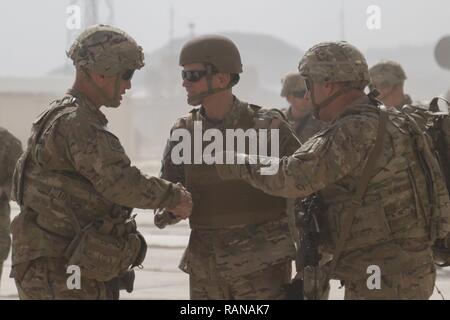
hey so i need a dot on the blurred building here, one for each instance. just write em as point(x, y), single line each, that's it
point(23, 99)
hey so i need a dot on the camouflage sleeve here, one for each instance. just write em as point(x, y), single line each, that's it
point(170, 171)
point(10, 152)
point(99, 156)
point(173, 173)
point(445, 138)
point(289, 142)
point(326, 158)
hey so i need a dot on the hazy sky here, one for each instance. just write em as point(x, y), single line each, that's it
point(34, 33)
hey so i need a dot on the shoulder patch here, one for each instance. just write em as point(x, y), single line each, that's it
point(113, 142)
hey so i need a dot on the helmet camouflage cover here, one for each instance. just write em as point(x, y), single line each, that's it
point(386, 74)
point(292, 82)
point(106, 50)
point(335, 62)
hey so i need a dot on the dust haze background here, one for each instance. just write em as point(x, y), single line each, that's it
point(272, 36)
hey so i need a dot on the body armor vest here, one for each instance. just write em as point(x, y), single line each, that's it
point(219, 203)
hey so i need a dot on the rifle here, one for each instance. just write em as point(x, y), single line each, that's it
point(309, 286)
point(307, 211)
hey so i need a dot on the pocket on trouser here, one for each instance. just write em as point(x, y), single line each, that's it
point(418, 285)
point(197, 259)
point(252, 249)
point(414, 285)
point(208, 289)
point(33, 284)
point(47, 279)
point(267, 284)
point(359, 289)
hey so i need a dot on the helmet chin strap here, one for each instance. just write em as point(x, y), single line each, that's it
point(110, 103)
point(197, 99)
point(317, 107)
point(115, 102)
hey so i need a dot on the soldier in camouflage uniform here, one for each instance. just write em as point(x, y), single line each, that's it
point(388, 77)
point(76, 186)
point(240, 246)
point(384, 201)
point(299, 112)
point(10, 151)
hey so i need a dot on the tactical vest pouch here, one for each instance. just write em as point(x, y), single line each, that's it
point(105, 255)
point(219, 203)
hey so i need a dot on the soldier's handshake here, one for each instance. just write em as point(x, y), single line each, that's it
point(184, 208)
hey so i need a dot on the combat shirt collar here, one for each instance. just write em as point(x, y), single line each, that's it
point(231, 118)
point(85, 102)
point(362, 103)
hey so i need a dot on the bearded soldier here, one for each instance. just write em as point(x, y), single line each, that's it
point(76, 186)
point(382, 199)
point(240, 246)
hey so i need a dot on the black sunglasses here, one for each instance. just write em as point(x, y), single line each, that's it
point(193, 75)
point(127, 75)
point(299, 94)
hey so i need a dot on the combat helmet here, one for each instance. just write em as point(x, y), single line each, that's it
point(329, 62)
point(107, 51)
point(335, 62)
point(219, 54)
point(386, 74)
point(294, 84)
